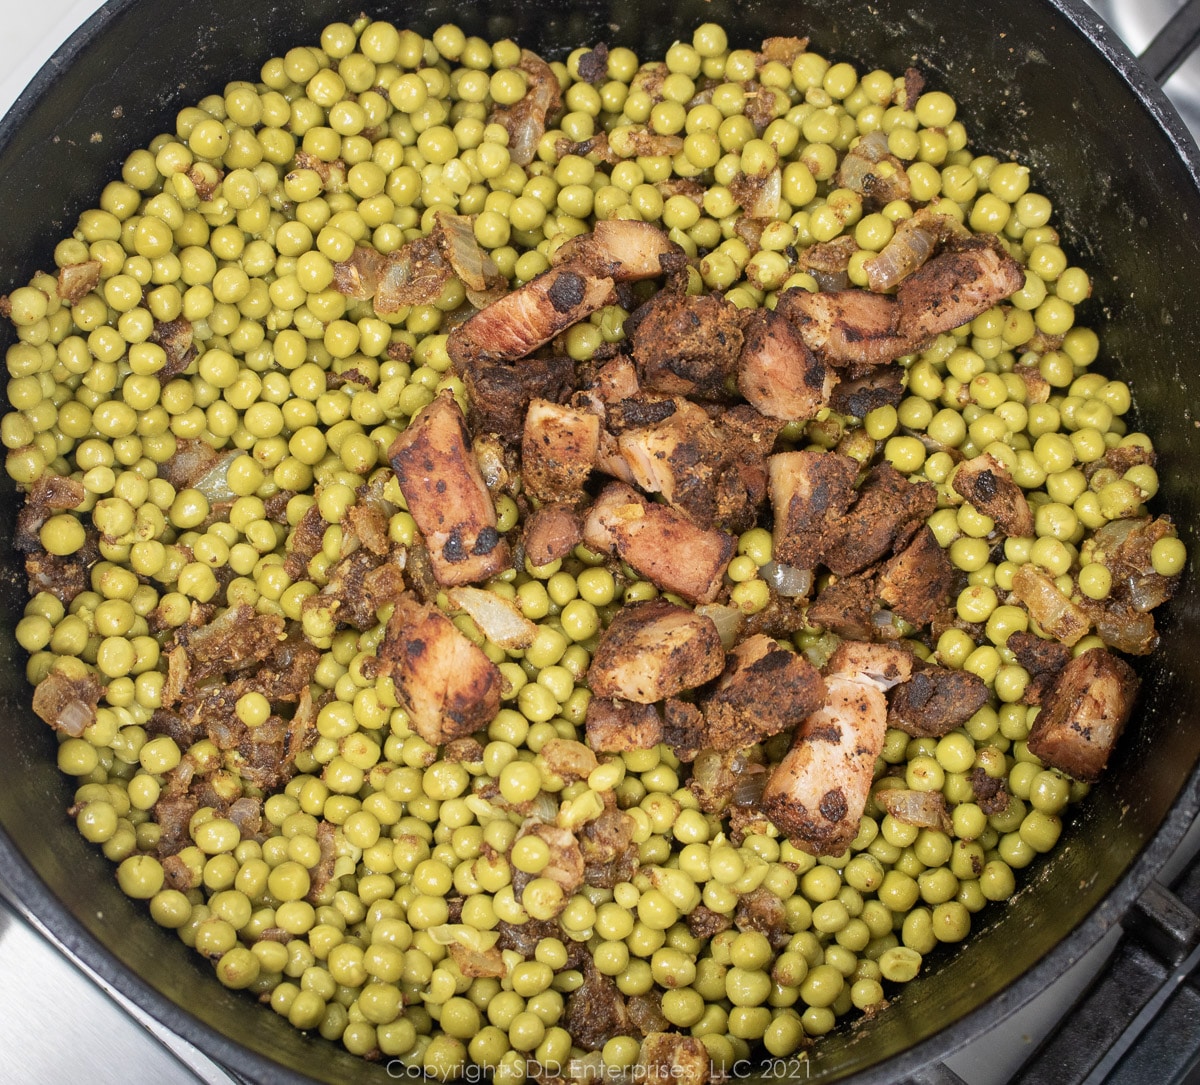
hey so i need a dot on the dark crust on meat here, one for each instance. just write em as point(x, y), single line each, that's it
point(550, 533)
point(886, 504)
point(882, 386)
point(614, 725)
point(845, 607)
point(1083, 714)
point(935, 700)
point(916, 581)
point(805, 515)
point(763, 691)
point(499, 393)
point(985, 483)
point(686, 344)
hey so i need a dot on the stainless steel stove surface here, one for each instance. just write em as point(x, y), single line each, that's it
point(60, 1024)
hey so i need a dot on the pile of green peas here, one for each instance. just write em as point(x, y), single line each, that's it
point(233, 222)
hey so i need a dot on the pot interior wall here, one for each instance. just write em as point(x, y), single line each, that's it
point(1028, 83)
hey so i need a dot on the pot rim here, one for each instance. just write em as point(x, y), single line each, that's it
point(44, 911)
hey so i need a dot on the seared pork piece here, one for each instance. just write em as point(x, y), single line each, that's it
point(685, 344)
point(886, 504)
point(763, 690)
point(882, 386)
point(596, 1012)
point(446, 494)
point(846, 327)
point(175, 337)
point(777, 373)
point(304, 542)
point(810, 492)
point(558, 450)
point(682, 457)
point(669, 1058)
point(924, 809)
point(935, 700)
point(614, 725)
point(747, 438)
point(614, 381)
point(654, 650)
point(846, 606)
point(955, 287)
point(661, 544)
point(1083, 713)
point(623, 249)
point(499, 394)
point(526, 119)
point(986, 483)
point(881, 665)
point(1054, 613)
point(815, 796)
point(550, 533)
point(526, 318)
point(449, 688)
point(1043, 659)
point(916, 580)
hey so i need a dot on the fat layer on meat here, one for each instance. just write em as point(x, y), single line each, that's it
point(816, 795)
point(449, 688)
point(763, 691)
point(777, 373)
point(986, 484)
point(446, 495)
point(654, 650)
point(524, 319)
point(660, 543)
point(1083, 714)
point(625, 250)
point(810, 492)
point(558, 450)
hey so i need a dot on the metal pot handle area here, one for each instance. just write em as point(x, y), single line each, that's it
point(1173, 44)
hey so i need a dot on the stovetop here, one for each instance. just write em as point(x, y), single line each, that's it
point(64, 1025)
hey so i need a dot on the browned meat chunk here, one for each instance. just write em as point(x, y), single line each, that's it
point(886, 504)
point(447, 496)
point(859, 396)
point(614, 725)
point(989, 792)
point(924, 809)
point(175, 337)
point(558, 450)
point(550, 533)
point(1054, 613)
point(816, 795)
point(886, 507)
point(763, 690)
point(68, 704)
point(448, 686)
point(706, 924)
point(846, 606)
point(1083, 714)
point(523, 320)
point(613, 382)
point(304, 543)
point(810, 493)
point(845, 327)
point(683, 728)
point(916, 581)
point(935, 700)
point(986, 483)
point(777, 373)
point(654, 650)
point(625, 250)
point(663, 545)
point(955, 287)
point(686, 344)
point(668, 1058)
point(76, 281)
point(499, 394)
point(346, 597)
point(596, 1011)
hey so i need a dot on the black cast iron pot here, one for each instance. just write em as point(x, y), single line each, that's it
point(1041, 80)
